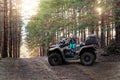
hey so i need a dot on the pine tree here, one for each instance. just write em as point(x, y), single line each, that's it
point(117, 19)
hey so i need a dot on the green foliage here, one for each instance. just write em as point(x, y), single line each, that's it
point(54, 15)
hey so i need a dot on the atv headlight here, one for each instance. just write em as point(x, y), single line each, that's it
point(51, 49)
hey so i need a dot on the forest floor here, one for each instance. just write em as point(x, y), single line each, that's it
point(105, 68)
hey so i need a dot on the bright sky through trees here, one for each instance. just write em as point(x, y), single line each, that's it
point(29, 8)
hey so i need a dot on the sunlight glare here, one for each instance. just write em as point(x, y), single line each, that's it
point(99, 1)
point(29, 7)
point(99, 10)
point(24, 52)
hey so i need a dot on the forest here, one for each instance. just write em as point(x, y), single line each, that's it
point(58, 18)
point(29, 30)
point(10, 28)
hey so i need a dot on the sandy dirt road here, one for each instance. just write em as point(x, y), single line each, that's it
point(39, 69)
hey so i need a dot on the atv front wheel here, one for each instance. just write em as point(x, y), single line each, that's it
point(54, 59)
point(87, 58)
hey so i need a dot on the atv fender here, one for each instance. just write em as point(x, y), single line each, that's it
point(58, 51)
point(87, 48)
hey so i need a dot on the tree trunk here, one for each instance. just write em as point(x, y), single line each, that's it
point(19, 40)
point(5, 49)
point(1, 33)
point(10, 35)
point(2, 42)
point(117, 20)
point(102, 32)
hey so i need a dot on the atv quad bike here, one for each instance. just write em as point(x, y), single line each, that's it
point(60, 53)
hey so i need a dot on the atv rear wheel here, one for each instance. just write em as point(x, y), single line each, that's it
point(54, 59)
point(87, 58)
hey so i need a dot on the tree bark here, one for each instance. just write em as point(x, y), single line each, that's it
point(117, 20)
point(10, 35)
point(5, 49)
point(102, 32)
